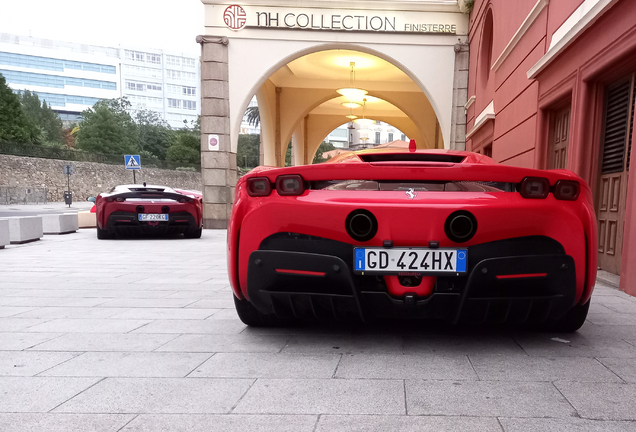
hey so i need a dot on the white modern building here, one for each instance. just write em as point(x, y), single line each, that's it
point(71, 77)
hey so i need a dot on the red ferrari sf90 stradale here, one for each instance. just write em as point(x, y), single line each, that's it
point(413, 234)
point(149, 210)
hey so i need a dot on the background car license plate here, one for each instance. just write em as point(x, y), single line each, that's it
point(147, 217)
point(410, 260)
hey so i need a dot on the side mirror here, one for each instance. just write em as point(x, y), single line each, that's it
point(91, 199)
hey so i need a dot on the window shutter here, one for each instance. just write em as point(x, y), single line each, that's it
point(616, 127)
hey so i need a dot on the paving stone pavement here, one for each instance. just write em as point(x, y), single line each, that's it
point(141, 335)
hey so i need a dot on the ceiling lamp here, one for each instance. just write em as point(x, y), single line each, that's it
point(352, 93)
point(351, 116)
point(351, 105)
point(364, 123)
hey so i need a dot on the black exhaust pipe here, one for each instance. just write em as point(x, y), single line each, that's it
point(460, 226)
point(361, 225)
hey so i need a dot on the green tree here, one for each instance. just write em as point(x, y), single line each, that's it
point(248, 151)
point(14, 123)
point(154, 133)
point(185, 148)
point(324, 147)
point(253, 115)
point(107, 127)
point(43, 116)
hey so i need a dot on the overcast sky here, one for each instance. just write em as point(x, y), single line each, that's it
point(163, 24)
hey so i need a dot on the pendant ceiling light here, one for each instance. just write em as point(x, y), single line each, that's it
point(365, 123)
point(351, 104)
point(352, 93)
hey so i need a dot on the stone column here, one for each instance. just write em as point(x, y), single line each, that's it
point(460, 97)
point(218, 167)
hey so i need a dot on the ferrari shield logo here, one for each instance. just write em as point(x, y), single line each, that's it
point(411, 193)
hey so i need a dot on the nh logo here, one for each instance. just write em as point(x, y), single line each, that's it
point(132, 162)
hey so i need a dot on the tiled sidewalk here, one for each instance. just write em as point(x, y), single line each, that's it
point(141, 335)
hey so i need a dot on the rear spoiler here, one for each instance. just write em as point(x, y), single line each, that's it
point(145, 194)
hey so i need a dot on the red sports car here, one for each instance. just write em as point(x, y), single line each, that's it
point(151, 210)
point(413, 234)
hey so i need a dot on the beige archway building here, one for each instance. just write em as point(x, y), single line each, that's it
point(410, 57)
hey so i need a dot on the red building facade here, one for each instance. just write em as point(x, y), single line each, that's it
point(552, 85)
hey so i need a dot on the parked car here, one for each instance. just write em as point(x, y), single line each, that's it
point(413, 234)
point(150, 210)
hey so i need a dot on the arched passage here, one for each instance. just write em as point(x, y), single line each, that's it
point(252, 49)
point(300, 100)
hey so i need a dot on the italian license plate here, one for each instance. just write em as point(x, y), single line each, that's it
point(151, 217)
point(410, 260)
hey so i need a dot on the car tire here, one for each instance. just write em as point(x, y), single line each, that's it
point(103, 234)
point(252, 316)
point(571, 321)
point(193, 234)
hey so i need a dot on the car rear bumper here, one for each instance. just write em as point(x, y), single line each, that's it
point(127, 223)
point(526, 279)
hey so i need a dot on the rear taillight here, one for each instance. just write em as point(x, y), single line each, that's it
point(120, 199)
point(290, 185)
point(258, 187)
point(182, 200)
point(567, 190)
point(535, 187)
point(109, 199)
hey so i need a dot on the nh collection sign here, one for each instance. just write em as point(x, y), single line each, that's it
point(237, 17)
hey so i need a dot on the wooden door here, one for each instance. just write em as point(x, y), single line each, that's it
point(559, 139)
point(618, 123)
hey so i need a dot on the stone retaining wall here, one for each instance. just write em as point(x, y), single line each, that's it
point(89, 178)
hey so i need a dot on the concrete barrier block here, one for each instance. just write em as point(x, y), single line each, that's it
point(60, 223)
point(25, 229)
point(4, 233)
point(87, 219)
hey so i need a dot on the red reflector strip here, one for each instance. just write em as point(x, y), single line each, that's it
point(300, 272)
point(521, 276)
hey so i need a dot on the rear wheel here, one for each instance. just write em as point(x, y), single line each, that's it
point(103, 234)
point(252, 316)
point(571, 321)
point(193, 234)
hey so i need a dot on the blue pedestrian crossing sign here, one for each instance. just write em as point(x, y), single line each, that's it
point(132, 162)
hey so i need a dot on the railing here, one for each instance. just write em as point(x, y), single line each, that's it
point(30, 150)
point(22, 195)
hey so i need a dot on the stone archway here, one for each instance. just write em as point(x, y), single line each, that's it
point(257, 53)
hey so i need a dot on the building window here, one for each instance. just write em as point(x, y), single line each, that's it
point(143, 71)
point(55, 81)
point(189, 62)
point(137, 56)
point(377, 137)
point(62, 100)
point(189, 91)
point(174, 103)
point(189, 105)
point(153, 58)
point(189, 76)
point(173, 61)
point(390, 136)
point(403, 137)
point(488, 150)
point(485, 51)
point(45, 63)
point(173, 74)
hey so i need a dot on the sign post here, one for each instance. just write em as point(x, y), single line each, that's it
point(68, 195)
point(132, 162)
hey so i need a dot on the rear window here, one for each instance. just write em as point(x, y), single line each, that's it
point(411, 157)
point(418, 186)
